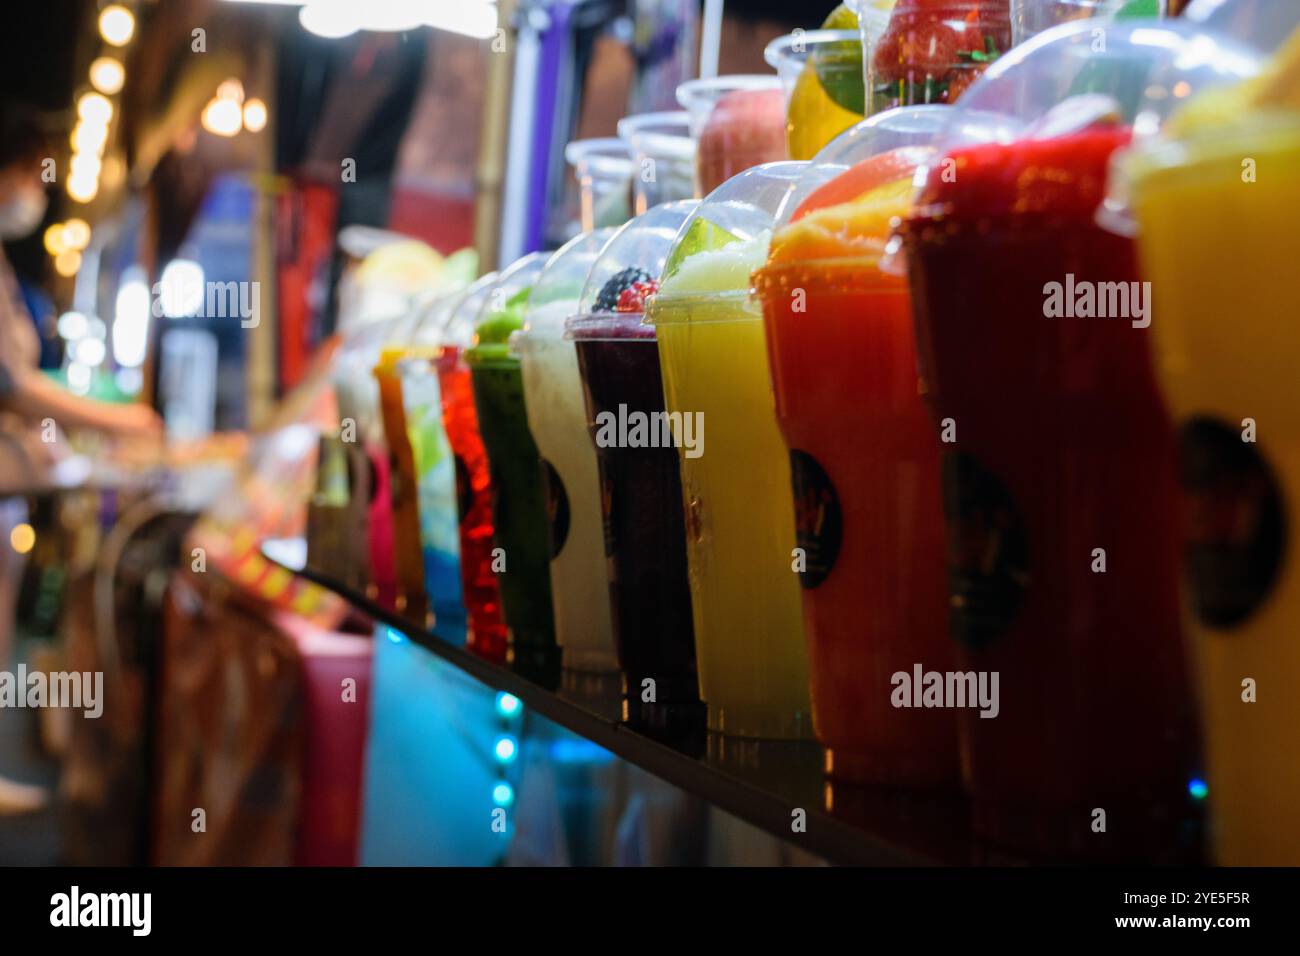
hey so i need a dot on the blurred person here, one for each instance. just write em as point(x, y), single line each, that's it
point(28, 398)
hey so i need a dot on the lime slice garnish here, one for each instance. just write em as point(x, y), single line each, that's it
point(701, 236)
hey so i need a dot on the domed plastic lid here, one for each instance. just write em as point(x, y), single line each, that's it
point(1264, 24)
point(607, 157)
point(726, 237)
point(908, 131)
point(450, 321)
point(664, 135)
point(698, 97)
point(1073, 75)
point(503, 309)
point(1082, 76)
point(559, 286)
point(626, 271)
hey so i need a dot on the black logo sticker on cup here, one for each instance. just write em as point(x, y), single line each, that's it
point(1234, 522)
point(988, 552)
point(818, 520)
point(557, 507)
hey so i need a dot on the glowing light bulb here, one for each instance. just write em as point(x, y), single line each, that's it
point(76, 234)
point(116, 25)
point(255, 116)
point(22, 538)
point(54, 239)
point(508, 704)
point(107, 75)
point(506, 749)
point(95, 108)
point(67, 263)
point(223, 117)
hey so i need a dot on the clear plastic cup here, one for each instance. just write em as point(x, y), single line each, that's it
point(1062, 527)
point(737, 122)
point(1216, 238)
point(520, 523)
point(458, 539)
point(663, 157)
point(928, 52)
point(1264, 24)
point(557, 418)
point(641, 490)
point(821, 72)
point(740, 542)
point(604, 169)
point(864, 463)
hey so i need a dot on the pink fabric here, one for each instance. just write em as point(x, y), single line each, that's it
point(335, 718)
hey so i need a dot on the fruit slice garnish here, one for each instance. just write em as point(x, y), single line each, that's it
point(862, 177)
point(839, 71)
point(496, 329)
point(858, 228)
point(701, 236)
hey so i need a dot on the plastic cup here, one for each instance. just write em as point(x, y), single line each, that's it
point(737, 122)
point(557, 418)
point(520, 524)
point(1214, 242)
point(821, 72)
point(663, 156)
point(863, 459)
point(604, 170)
point(411, 600)
point(452, 480)
point(641, 491)
point(1059, 481)
point(927, 53)
point(740, 541)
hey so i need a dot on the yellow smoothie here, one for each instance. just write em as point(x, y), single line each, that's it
point(739, 509)
point(1216, 206)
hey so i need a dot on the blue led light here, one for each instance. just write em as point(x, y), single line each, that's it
point(396, 636)
point(1197, 789)
point(508, 704)
point(503, 795)
point(506, 749)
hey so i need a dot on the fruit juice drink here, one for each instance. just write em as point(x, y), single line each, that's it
point(434, 464)
point(738, 122)
point(557, 419)
point(663, 156)
point(864, 465)
point(929, 51)
point(603, 169)
point(821, 71)
point(444, 333)
point(519, 511)
point(411, 599)
point(736, 484)
point(641, 492)
point(1059, 476)
point(1218, 245)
